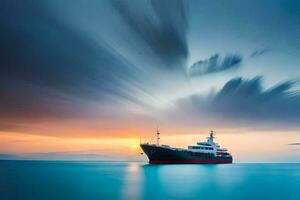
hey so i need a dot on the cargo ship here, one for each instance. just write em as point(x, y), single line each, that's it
point(207, 152)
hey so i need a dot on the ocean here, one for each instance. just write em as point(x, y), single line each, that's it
point(87, 180)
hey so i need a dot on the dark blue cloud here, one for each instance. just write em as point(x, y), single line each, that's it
point(52, 67)
point(245, 100)
point(259, 52)
point(45, 70)
point(161, 25)
point(215, 64)
point(43, 51)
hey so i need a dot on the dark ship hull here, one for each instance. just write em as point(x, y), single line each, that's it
point(168, 155)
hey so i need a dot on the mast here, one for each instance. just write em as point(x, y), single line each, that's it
point(157, 136)
point(211, 137)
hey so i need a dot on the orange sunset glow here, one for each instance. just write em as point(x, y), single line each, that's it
point(246, 147)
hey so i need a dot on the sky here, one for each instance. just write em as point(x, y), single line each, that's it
point(87, 79)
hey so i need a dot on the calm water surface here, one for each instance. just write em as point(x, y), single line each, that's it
point(38, 180)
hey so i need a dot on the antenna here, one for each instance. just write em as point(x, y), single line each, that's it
point(157, 136)
point(211, 136)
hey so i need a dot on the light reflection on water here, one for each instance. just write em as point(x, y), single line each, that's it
point(37, 180)
point(132, 182)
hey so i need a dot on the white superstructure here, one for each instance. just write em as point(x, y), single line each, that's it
point(209, 147)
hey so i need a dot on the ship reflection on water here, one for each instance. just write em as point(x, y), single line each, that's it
point(136, 180)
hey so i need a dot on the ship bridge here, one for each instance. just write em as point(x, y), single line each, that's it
point(209, 146)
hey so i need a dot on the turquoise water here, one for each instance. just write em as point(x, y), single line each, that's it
point(39, 180)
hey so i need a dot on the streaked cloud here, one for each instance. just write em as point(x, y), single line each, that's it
point(248, 99)
point(245, 101)
point(259, 52)
point(59, 65)
point(121, 64)
point(214, 64)
point(160, 25)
